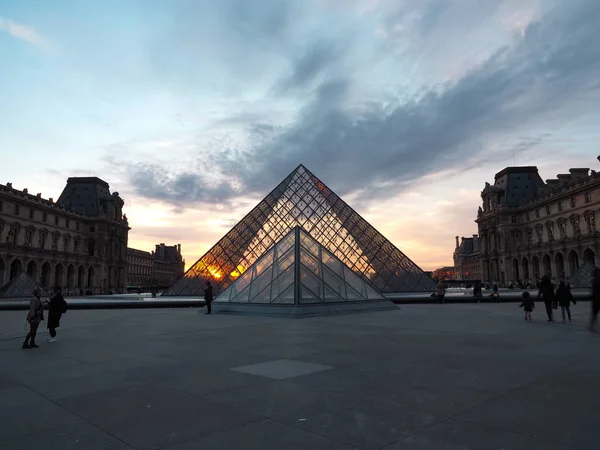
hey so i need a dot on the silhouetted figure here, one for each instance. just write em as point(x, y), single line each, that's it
point(477, 291)
point(564, 298)
point(495, 294)
point(527, 305)
point(547, 294)
point(34, 317)
point(595, 299)
point(208, 297)
point(56, 308)
point(441, 291)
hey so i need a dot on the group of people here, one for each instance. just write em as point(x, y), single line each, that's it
point(562, 297)
point(57, 306)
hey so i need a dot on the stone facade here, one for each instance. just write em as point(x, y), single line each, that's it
point(160, 268)
point(467, 259)
point(139, 268)
point(77, 243)
point(529, 228)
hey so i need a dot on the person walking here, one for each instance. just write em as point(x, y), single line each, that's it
point(547, 294)
point(564, 298)
point(34, 317)
point(595, 300)
point(56, 308)
point(208, 297)
point(528, 305)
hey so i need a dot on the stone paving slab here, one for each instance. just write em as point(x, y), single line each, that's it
point(469, 377)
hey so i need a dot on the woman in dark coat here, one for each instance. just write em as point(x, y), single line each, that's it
point(56, 307)
point(547, 294)
point(564, 298)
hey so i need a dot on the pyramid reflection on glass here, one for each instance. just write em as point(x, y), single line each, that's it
point(303, 200)
point(298, 276)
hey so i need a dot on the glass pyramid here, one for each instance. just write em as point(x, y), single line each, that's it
point(21, 286)
point(303, 200)
point(296, 271)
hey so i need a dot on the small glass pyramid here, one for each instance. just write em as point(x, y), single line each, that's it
point(303, 200)
point(299, 271)
point(20, 286)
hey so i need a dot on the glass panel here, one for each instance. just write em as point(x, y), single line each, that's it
point(335, 283)
point(284, 262)
point(372, 293)
point(309, 261)
point(332, 263)
point(286, 243)
point(264, 263)
point(287, 298)
point(242, 297)
point(260, 282)
point(282, 282)
point(224, 296)
point(355, 282)
point(309, 244)
point(352, 295)
point(311, 281)
point(307, 296)
point(263, 297)
point(331, 296)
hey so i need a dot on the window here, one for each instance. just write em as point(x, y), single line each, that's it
point(586, 196)
point(573, 203)
point(67, 223)
point(1, 205)
point(16, 209)
point(537, 213)
point(77, 226)
point(513, 219)
point(548, 211)
point(55, 220)
point(31, 213)
point(44, 217)
point(92, 228)
point(527, 217)
point(560, 206)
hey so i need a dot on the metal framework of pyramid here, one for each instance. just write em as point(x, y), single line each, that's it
point(20, 286)
point(584, 276)
point(298, 276)
point(303, 200)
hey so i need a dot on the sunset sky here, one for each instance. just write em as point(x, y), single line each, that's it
point(193, 110)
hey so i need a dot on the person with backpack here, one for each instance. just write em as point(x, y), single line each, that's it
point(56, 308)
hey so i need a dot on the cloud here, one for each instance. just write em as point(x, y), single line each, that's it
point(505, 105)
point(25, 33)
point(153, 181)
point(518, 87)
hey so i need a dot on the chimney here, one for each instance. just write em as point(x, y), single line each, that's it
point(51, 200)
point(179, 248)
point(457, 242)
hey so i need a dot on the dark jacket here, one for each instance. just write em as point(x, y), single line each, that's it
point(56, 307)
point(547, 291)
point(596, 293)
point(208, 294)
point(528, 304)
point(563, 295)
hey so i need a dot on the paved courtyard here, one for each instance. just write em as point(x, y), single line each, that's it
point(469, 376)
